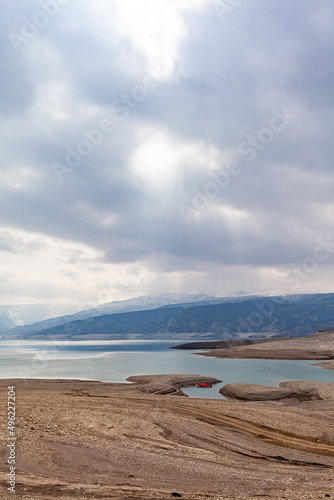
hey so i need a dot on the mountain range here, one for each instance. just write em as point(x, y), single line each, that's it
point(198, 316)
point(30, 319)
point(19, 315)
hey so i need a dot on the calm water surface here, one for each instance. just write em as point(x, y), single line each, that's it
point(115, 360)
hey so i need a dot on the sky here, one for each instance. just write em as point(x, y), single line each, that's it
point(165, 146)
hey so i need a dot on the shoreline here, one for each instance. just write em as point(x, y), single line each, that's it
point(325, 365)
point(172, 384)
point(315, 347)
point(274, 354)
point(90, 439)
point(143, 384)
point(145, 438)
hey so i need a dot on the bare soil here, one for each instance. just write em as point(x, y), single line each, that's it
point(83, 440)
point(318, 346)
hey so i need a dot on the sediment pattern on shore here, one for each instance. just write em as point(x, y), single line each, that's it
point(82, 439)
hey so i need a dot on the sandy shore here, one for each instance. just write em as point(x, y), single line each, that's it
point(83, 440)
point(326, 365)
point(318, 346)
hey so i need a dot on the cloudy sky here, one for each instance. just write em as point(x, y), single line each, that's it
point(165, 145)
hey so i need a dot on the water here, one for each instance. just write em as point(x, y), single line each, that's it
point(115, 360)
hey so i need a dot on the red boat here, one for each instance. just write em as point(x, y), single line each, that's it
point(204, 384)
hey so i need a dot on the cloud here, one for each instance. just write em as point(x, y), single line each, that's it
point(141, 107)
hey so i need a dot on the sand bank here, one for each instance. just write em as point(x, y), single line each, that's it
point(326, 365)
point(318, 346)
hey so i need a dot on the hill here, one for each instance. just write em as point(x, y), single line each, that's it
point(282, 316)
point(45, 317)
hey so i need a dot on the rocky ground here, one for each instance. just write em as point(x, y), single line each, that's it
point(83, 440)
point(287, 392)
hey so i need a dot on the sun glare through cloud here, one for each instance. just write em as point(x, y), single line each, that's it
point(179, 137)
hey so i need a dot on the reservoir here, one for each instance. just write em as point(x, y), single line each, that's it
point(115, 360)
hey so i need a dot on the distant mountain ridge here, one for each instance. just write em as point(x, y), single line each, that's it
point(12, 316)
point(219, 318)
point(47, 320)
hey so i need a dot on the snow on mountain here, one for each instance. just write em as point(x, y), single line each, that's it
point(149, 302)
point(135, 304)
